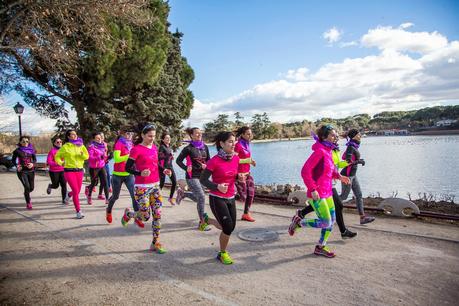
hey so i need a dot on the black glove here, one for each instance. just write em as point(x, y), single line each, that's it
point(361, 161)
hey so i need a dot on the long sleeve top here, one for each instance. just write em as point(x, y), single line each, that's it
point(319, 171)
point(22, 158)
point(53, 166)
point(71, 156)
point(196, 157)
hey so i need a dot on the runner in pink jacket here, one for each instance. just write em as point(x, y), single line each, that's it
point(56, 171)
point(317, 173)
point(97, 154)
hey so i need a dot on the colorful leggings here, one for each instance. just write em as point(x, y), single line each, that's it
point(75, 180)
point(325, 210)
point(149, 198)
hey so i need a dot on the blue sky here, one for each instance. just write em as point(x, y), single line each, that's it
point(300, 60)
point(234, 45)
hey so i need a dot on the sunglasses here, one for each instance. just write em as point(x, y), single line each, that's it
point(59, 141)
point(24, 141)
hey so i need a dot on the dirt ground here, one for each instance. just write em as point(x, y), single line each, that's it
point(50, 258)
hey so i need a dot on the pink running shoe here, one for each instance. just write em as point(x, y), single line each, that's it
point(324, 251)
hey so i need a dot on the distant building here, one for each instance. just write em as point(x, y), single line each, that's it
point(445, 122)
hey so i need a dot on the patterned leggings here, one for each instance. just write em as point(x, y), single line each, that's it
point(149, 198)
point(325, 210)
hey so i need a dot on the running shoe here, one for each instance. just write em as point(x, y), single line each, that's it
point(125, 219)
point(247, 217)
point(29, 206)
point(224, 258)
point(366, 219)
point(204, 227)
point(157, 247)
point(324, 251)
point(89, 201)
point(101, 197)
point(67, 199)
point(79, 215)
point(108, 217)
point(172, 201)
point(180, 195)
point(348, 234)
point(139, 223)
point(86, 190)
point(295, 224)
point(48, 190)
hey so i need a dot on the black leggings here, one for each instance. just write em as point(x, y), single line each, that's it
point(338, 210)
point(27, 179)
point(162, 179)
point(58, 179)
point(224, 211)
point(102, 175)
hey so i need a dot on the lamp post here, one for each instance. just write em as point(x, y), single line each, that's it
point(19, 109)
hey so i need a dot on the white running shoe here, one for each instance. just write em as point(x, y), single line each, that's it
point(79, 215)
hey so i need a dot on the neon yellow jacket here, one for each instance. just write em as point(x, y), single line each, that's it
point(339, 163)
point(72, 155)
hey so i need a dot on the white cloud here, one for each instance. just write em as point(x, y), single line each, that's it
point(332, 35)
point(299, 74)
point(401, 40)
point(390, 79)
point(348, 44)
point(406, 25)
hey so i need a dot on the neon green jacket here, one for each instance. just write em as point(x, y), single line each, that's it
point(339, 163)
point(73, 156)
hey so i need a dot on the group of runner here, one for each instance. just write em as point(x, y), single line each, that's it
point(143, 168)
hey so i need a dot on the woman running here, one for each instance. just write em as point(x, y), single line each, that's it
point(352, 156)
point(301, 213)
point(97, 154)
point(56, 172)
point(123, 146)
point(223, 168)
point(196, 155)
point(245, 185)
point(318, 172)
point(108, 157)
point(24, 158)
point(165, 157)
point(143, 163)
point(72, 156)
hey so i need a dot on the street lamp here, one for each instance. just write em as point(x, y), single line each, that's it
point(19, 109)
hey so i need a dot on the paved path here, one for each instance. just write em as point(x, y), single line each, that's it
point(49, 257)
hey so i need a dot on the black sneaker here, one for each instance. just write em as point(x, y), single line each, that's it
point(48, 190)
point(348, 234)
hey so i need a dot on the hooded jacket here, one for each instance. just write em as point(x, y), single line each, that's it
point(319, 170)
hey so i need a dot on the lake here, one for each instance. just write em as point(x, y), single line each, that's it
point(394, 164)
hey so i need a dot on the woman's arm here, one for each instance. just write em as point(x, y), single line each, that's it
point(308, 168)
point(130, 167)
point(205, 180)
point(181, 157)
